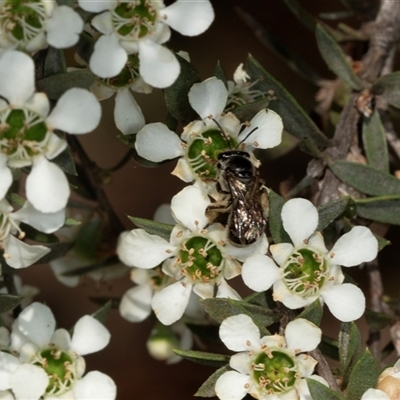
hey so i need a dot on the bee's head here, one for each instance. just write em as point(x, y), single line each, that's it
point(236, 161)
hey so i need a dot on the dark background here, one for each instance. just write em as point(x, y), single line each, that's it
point(137, 191)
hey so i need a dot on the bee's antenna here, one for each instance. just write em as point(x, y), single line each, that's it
point(223, 132)
point(247, 136)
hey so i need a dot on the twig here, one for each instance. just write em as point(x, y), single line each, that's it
point(324, 370)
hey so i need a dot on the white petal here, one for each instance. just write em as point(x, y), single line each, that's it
point(138, 248)
point(95, 386)
point(94, 6)
point(183, 170)
point(89, 336)
point(155, 142)
point(170, 303)
point(300, 220)
point(47, 187)
point(22, 255)
point(346, 302)
point(269, 130)
point(37, 323)
point(259, 273)
point(44, 222)
point(204, 290)
point(77, 111)
point(8, 364)
point(108, 57)
point(189, 18)
point(158, 65)
point(302, 335)
point(66, 264)
point(232, 386)
point(224, 290)
point(61, 338)
point(55, 146)
point(64, 27)
point(281, 251)
point(354, 247)
point(375, 394)
point(208, 97)
point(135, 304)
point(163, 214)
point(39, 103)
point(239, 333)
point(241, 362)
point(17, 77)
point(188, 208)
point(103, 23)
point(29, 382)
point(260, 246)
point(5, 175)
point(127, 114)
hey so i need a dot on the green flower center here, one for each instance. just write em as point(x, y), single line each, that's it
point(200, 259)
point(127, 76)
point(274, 372)
point(22, 20)
point(305, 272)
point(203, 152)
point(135, 19)
point(60, 369)
point(23, 134)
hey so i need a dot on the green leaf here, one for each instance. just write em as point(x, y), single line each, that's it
point(366, 179)
point(65, 161)
point(313, 312)
point(219, 72)
point(329, 347)
point(381, 209)
point(41, 237)
point(56, 85)
point(302, 14)
point(293, 60)
point(85, 46)
point(319, 391)
point(153, 227)
point(176, 96)
point(336, 59)
point(57, 250)
point(330, 211)
point(350, 347)
point(375, 144)
point(207, 389)
point(295, 119)
point(108, 262)
point(102, 313)
point(247, 111)
point(389, 87)
point(55, 62)
point(276, 203)
point(377, 320)
point(221, 308)
point(201, 357)
point(364, 375)
point(8, 302)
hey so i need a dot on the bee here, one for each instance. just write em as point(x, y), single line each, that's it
point(245, 200)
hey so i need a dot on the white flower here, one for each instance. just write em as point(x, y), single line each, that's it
point(271, 367)
point(197, 258)
point(141, 27)
point(201, 141)
point(48, 362)
point(27, 135)
point(18, 254)
point(34, 25)
point(376, 394)
point(308, 270)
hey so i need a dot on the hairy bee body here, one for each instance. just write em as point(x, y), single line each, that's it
point(245, 202)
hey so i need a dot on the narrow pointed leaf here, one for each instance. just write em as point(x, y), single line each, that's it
point(320, 391)
point(102, 313)
point(153, 227)
point(329, 347)
point(330, 211)
point(380, 209)
point(295, 119)
point(57, 250)
point(302, 14)
point(276, 203)
point(201, 357)
point(364, 375)
point(377, 321)
point(40, 237)
point(336, 59)
point(65, 161)
point(375, 144)
point(207, 389)
point(293, 60)
point(176, 95)
point(56, 85)
point(219, 72)
point(366, 179)
point(389, 87)
point(247, 111)
point(313, 312)
point(350, 347)
point(8, 302)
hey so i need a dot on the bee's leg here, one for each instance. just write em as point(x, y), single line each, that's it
point(264, 199)
point(218, 211)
